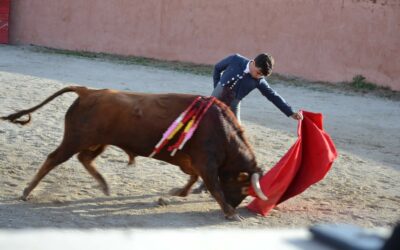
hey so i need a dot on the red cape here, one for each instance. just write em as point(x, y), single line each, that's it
point(306, 162)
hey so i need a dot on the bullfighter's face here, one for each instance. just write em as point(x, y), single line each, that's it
point(255, 72)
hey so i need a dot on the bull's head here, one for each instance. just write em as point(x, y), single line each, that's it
point(236, 188)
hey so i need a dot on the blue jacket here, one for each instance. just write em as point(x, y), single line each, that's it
point(232, 69)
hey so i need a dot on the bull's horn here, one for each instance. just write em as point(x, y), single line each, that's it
point(256, 186)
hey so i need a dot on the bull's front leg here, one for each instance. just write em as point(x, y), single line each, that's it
point(214, 187)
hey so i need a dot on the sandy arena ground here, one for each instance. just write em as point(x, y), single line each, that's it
point(361, 188)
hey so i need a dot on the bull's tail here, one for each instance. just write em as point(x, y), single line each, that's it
point(14, 118)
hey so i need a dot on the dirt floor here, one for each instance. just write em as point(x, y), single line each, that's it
point(362, 187)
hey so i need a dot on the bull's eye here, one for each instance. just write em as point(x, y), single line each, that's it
point(243, 176)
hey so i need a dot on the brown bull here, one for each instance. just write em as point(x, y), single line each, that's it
point(218, 152)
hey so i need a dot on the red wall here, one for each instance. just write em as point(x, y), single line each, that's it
point(4, 16)
point(328, 40)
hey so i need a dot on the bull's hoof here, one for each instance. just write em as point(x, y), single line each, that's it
point(178, 192)
point(23, 198)
point(25, 194)
point(106, 191)
point(163, 202)
point(131, 163)
point(234, 217)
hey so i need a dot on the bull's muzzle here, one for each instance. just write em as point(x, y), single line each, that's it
point(255, 183)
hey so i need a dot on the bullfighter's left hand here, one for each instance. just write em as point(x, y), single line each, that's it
point(297, 115)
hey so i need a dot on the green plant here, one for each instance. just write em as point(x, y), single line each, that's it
point(360, 82)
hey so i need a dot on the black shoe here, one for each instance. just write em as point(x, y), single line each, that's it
point(200, 189)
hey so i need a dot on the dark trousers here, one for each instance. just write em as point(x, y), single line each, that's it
point(234, 105)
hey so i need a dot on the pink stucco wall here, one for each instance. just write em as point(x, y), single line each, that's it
point(327, 40)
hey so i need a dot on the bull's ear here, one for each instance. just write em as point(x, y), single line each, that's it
point(243, 176)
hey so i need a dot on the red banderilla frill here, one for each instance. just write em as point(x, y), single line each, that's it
point(189, 119)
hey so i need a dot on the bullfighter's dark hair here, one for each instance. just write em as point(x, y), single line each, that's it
point(265, 62)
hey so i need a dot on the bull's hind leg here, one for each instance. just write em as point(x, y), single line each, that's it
point(60, 155)
point(185, 190)
point(185, 164)
point(86, 157)
point(131, 156)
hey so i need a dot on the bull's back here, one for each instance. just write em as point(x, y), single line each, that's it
point(125, 119)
